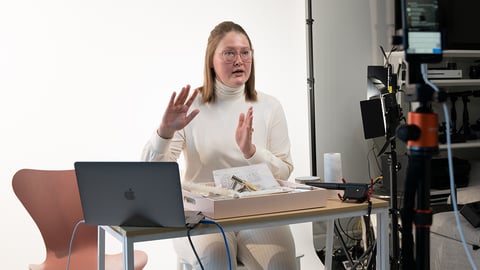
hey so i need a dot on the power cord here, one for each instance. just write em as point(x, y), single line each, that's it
point(352, 236)
point(450, 166)
point(193, 247)
point(70, 247)
point(207, 221)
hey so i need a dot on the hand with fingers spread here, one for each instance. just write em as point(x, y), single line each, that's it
point(176, 115)
point(244, 132)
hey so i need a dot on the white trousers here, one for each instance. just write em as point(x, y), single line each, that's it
point(266, 248)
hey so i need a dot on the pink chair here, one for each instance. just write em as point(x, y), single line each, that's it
point(51, 198)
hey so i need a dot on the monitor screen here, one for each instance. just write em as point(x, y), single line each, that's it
point(460, 24)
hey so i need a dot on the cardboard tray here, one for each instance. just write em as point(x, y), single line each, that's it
point(218, 208)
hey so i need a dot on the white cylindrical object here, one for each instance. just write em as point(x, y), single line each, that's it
point(332, 163)
point(332, 168)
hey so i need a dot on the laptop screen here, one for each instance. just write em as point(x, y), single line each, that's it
point(130, 193)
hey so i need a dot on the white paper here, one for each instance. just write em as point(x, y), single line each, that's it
point(258, 175)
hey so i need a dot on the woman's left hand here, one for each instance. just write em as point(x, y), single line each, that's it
point(243, 134)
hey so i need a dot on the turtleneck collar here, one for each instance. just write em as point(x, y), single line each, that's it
point(225, 92)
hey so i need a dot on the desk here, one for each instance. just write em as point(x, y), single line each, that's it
point(334, 209)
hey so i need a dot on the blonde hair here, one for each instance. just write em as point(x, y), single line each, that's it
point(216, 35)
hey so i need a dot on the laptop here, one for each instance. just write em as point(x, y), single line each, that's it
point(141, 194)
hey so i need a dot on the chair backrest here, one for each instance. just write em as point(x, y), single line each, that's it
point(52, 200)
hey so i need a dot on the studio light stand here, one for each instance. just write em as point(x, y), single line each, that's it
point(393, 116)
point(311, 90)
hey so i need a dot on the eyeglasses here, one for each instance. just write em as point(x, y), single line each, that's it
point(229, 56)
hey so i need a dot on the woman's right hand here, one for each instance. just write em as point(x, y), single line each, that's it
point(175, 116)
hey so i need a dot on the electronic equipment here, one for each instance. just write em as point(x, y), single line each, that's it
point(422, 39)
point(458, 23)
point(460, 26)
point(142, 194)
point(439, 74)
point(471, 212)
point(378, 109)
point(353, 192)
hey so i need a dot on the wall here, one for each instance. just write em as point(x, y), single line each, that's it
point(347, 38)
point(89, 80)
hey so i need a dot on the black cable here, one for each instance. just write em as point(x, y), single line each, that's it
point(342, 242)
point(372, 150)
point(387, 57)
point(193, 248)
point(353, 228)
point(344, 232)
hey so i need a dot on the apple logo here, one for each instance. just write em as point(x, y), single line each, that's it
point(129, 194)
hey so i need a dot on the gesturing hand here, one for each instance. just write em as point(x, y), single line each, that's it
point(243, 134)
point(175, 116)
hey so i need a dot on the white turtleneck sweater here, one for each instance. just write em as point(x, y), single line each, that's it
point(208, 142)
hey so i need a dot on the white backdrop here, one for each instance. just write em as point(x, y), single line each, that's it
point(88, 80)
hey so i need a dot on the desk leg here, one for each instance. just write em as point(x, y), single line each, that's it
point(101, 248)
point(383, 256)
point(329, 245)
point(128, 254)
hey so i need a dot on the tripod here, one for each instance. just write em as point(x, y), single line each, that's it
point(421, 135)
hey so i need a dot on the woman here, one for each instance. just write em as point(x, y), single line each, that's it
point(215, 129)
